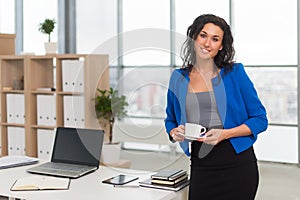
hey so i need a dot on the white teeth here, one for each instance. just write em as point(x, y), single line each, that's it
point(204, 50)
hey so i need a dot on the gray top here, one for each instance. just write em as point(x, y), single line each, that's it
point(201, 109)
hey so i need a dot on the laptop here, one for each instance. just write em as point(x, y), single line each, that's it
point(76, 152)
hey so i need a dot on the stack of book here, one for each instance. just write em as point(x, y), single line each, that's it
point(173, 179)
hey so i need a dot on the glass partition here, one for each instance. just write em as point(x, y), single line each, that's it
point(185, 13)
point(138, 17)
point(277, 88)
point(96, 24)
point(266, 32)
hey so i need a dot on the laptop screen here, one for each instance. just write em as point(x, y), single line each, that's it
point(78, 146)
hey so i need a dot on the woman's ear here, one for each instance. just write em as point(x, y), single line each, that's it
point(220, 49)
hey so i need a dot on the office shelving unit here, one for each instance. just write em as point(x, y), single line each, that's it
point(46, 72)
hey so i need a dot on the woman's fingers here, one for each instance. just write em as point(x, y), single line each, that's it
point(213, 136)
point(178, 133)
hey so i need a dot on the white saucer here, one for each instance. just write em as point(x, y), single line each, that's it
point(194, 138)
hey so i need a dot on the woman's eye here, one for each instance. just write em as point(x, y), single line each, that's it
point(215, 39)
point(202, 35)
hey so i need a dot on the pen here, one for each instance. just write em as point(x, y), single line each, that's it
point(126, 186)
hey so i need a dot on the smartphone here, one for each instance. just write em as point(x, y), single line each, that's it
point(120, 179)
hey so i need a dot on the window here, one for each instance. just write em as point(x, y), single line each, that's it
point(7, 16)
point(35, 12)
point(277, 92)
point(185, 13)
point(138, 18)
point(145, 89)
point(145, 14)
point(96, 25)
point(266, 32)
point(267, 37)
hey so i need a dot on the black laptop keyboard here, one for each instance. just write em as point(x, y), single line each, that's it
point(64, 167)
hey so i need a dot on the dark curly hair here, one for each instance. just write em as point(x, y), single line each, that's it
point(224, 58)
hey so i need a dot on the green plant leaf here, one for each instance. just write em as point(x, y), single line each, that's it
point(109, 105)
point(47, 27)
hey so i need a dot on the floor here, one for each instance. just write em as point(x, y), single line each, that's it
point(278, 181)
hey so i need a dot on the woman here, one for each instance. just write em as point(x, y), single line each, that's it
point(211, 90)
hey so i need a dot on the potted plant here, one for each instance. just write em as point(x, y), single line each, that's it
point(47, 27)
point(109, 105)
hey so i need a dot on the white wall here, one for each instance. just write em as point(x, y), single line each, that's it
point(278, 144)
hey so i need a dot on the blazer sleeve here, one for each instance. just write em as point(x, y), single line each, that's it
point(170, 121)
point(257, 117)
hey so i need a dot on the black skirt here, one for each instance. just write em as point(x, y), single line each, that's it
point(219, 173)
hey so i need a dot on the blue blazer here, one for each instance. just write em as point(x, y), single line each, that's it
point(237, 102)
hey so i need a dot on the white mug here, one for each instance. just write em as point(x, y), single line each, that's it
point(194, 130)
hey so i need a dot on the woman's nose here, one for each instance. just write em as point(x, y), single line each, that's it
point(206, 43)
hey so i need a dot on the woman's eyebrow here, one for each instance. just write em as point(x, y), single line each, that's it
point(212, 35)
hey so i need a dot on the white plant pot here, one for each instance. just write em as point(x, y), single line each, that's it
point(50, 47)
point(110, 153)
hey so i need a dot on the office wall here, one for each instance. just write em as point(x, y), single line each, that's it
point(278, 144)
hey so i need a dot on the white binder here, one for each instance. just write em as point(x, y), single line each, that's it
point(45, 140)
point(74, 111)
point(73, 75)
point(79, 80)
point(46, 110)
point(19, 111)
point(10, 108)
point(10, 140)
point(79, 111)
point(16, 141)
point(52, 102)
point(66, 79)
point(41, 110)
point(20, 132)
point(15, 105)
point(68, 112)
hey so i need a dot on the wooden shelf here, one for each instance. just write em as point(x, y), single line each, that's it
point(42, 92)
point(43, 127)
point(13, 91)
point(12, 124)
point(70, 93)
point(46, 72)
point(7, 44)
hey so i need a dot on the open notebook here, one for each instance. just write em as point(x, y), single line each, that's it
point(75, 152)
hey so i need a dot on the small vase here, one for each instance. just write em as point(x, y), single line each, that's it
point(107, 126)
point(111, 153)
point(50, 47)
point(104, 123)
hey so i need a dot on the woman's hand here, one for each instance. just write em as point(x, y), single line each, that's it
point(214, 136)
point(178, 133)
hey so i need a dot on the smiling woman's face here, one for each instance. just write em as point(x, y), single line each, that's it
point(209, 41)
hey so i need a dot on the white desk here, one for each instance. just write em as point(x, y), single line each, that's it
point(88, 187)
